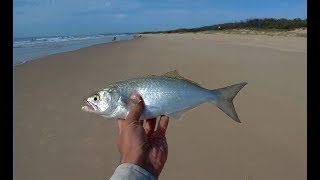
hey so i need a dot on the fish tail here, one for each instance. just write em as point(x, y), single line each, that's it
point(224, 99)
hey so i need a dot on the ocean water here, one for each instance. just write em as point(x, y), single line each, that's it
point(26, 49)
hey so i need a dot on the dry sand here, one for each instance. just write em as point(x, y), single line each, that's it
point(54, 139)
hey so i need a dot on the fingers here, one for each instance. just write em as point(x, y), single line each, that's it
point(120, 124)
point(150, 126)
point(163, 124)
point(136, 109)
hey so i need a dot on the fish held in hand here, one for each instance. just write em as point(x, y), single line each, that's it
point(168, 94)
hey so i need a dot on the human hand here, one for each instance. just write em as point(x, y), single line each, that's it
point(143, 146)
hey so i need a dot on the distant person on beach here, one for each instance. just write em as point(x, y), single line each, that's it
point(114, 38)
point(143, 150)
point(137, 36)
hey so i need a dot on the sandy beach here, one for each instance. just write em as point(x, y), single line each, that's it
point(54, 139)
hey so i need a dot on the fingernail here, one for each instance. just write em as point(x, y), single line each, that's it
point(135, 99)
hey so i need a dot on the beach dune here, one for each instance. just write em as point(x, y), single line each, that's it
point(55, 139)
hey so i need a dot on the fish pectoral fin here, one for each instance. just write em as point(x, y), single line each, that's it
point(122, 101)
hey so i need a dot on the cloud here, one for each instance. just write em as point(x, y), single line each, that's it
point(120, 16)
point(107, 4)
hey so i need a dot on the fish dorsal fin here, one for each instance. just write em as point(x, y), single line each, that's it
point(145, 76)
point(175, 74)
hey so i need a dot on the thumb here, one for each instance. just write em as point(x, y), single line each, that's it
point(136, 109)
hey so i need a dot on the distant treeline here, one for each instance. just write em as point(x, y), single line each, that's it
point(266, 23)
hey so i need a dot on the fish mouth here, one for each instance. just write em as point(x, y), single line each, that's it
point(88, 107)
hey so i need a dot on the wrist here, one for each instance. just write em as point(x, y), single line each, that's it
point(143, 163)
point(132, 171)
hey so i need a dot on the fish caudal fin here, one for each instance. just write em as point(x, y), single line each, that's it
point(224, 97)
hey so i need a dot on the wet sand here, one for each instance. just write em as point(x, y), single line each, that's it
point(54, 139)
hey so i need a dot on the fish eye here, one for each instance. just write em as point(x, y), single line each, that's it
point(95, 97)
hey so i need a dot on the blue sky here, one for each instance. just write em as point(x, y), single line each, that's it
point(79, 17)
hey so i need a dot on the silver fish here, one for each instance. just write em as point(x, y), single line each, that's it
point(169, 94)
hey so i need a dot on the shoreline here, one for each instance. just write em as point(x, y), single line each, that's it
point(25, 61)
